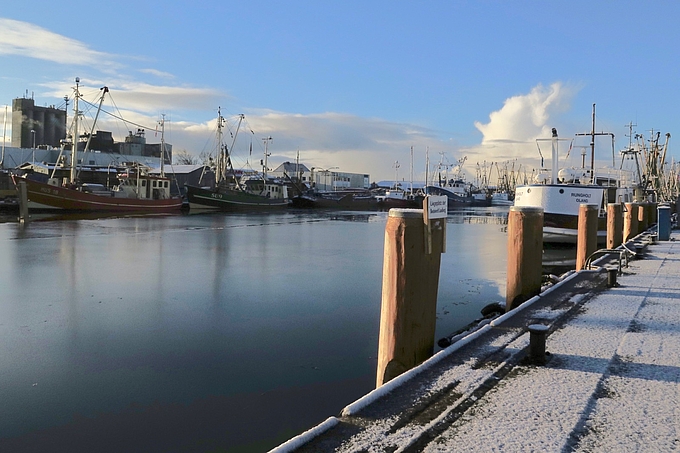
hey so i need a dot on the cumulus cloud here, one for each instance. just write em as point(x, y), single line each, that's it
point(29, 40)
point(511, 132)
point(525, 117)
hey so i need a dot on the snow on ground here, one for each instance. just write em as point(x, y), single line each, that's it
point(611, 383)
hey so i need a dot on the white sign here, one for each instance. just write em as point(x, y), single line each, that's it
point(437, 206)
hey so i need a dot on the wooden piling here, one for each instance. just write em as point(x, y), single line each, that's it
point(525, 255)
point(409, 293)
point(586, 243)
point(630, 221)
point(643, 217)
point(614, 225)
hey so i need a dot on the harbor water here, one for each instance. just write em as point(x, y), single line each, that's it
point(208, 332)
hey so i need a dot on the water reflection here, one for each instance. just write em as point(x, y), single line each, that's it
point(220, 326)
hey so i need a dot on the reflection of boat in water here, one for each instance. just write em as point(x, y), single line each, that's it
point(137, 190)
point(560, 192)
point(359, 201)
point(256, 191)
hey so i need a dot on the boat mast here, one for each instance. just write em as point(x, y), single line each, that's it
point(555, 152)
point(592, 146)
point(221, 158)
point(104, 90)
point(163, 145)
point(266, 141)
point(4, 132)
point(74, 141)
point(411, 172)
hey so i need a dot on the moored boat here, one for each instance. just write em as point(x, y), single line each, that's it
point(257, 191)
point(137, 190)
point(560, 192)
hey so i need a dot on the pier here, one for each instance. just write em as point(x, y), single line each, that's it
point(608, 380)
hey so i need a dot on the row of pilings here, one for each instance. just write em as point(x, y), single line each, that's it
point(412, 257)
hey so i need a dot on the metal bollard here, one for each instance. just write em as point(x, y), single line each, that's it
point(537, 336)
point(611, 276)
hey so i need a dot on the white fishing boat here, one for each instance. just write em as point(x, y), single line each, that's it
point(560, 191)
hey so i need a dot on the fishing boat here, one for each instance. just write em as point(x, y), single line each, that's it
point(254, 191)
point(560, 191)
point(137, 191)
point(455, 189)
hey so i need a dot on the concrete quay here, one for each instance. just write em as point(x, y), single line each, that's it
point(610, 380)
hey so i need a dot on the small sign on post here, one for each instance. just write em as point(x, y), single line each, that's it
point(435, 208)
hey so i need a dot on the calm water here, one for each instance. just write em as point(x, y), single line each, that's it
point(211, 332)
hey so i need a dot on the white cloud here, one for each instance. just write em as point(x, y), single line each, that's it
point(157, 73)
point(29, 40)
point(526, 117)
point(511, 133)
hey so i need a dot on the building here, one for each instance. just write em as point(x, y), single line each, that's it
point(323, 180)
point(37, 127)
point(327, 180)
point(45, 128)
point(293, 171)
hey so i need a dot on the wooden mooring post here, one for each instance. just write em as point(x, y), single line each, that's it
point(630, 221)
point(614, 225)
point(409, 288)
point(525, 255)
point(586, 242)
point(643, 217)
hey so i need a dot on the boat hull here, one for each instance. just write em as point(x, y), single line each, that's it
point(348, 201)
point(207, 199)
point(560, 204)
point(45, 196)
point(455, 200)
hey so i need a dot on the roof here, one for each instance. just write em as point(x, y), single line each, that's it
point(177, 169)
point(291, 168)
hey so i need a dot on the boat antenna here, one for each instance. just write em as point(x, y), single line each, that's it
point(162, 123)
point(74, 141)
point(4, 133)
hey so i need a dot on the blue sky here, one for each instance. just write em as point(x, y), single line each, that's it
point(355, 84)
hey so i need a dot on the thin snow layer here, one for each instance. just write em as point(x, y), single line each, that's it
point(611, 383)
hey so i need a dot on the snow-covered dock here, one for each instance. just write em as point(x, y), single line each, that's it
point(610, 382)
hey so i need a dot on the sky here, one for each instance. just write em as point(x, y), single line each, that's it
point(356, 84)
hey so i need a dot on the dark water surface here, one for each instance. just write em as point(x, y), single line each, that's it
point(218, 332)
